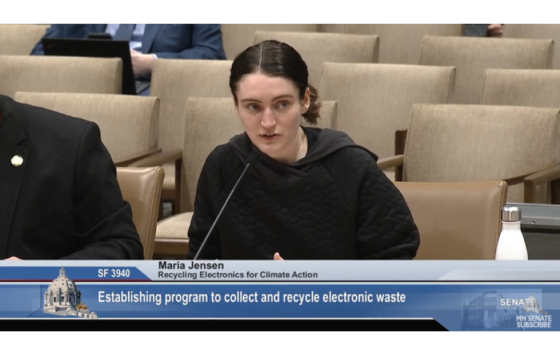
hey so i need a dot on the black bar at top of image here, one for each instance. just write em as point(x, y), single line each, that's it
point(221, 325)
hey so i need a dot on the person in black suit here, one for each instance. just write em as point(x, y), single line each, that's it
point(60, 198)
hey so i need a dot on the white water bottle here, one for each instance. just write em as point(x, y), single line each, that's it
point(511, 244)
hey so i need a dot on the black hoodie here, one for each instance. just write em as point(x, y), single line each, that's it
point(335, 203)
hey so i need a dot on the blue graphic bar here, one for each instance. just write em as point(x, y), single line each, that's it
point(78, 274)
point(515, 307)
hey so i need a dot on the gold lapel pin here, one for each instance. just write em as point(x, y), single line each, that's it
point(17, 161)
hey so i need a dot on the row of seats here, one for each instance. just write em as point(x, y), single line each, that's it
point(469, 55)
point(375, 103)
point(377, 100)
point(400, 43)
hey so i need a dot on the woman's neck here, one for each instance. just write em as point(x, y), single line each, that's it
point(299, 149)
point(302, 152)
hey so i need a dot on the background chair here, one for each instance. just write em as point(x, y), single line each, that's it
point(317, 48)
point(128, 124)
point(399, 44)
point(522, 87)
point(376, 99)
point(473, 55)
point(60, 75)
point(20, 39)
point(237, 37)
point(462, 143)
point(209, 122)
point(173, 82)
point(456, 221)
point(141, 187)
point(535, 31)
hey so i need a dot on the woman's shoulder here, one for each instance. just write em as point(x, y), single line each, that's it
point(221, 152)
point(222, 155)
point(352, 165)
point(354, 156)
point(336, 146)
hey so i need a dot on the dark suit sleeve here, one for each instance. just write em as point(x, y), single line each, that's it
point(206, 43)
point(207, 193)
point(54, 31)
point(103, 220)
point(386, 229)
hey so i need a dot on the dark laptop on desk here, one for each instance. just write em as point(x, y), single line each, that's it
point(476, 30)
point(96, 47)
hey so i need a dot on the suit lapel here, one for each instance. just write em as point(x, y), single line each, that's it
point(11, 174)
point(150, 32)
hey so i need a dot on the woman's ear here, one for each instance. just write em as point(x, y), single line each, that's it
point(306, 102)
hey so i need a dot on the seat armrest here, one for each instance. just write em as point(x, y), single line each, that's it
point(126, 161)
point(390, 162)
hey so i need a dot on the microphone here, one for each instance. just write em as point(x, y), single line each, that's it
point(250, 161)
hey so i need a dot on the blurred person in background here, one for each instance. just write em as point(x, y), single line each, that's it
point(484, 30)
point(148, 42)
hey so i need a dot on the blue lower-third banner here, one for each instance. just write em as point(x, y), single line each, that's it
point(457, 307)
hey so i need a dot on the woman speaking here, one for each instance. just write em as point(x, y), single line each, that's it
point(300, 193)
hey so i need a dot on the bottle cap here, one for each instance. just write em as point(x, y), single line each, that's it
point(511, 214)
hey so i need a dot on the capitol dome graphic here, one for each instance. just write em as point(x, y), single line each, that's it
point(63, 298)
point(532, 305)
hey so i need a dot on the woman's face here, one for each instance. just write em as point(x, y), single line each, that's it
point(271, 110)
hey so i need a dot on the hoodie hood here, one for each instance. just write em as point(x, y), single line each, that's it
point(323, 143)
